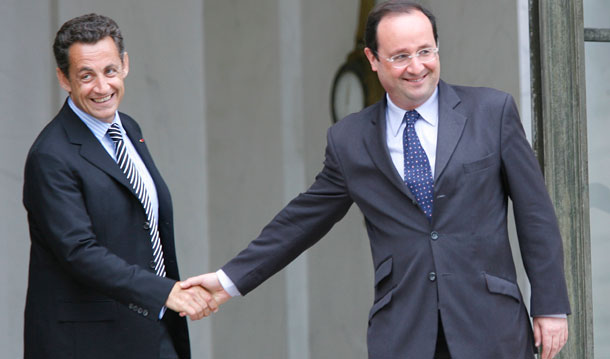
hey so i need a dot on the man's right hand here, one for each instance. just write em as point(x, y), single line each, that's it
point(210, 282)
point(193, 301)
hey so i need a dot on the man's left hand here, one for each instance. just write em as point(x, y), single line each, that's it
point(552, 333)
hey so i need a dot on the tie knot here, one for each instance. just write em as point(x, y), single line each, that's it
point(411, 116)
point(115, 132)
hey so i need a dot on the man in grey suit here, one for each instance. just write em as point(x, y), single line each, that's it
point(431, 166)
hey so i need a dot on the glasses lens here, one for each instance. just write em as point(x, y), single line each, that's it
point(423, 56)
point(426, 56)
point(401, 61)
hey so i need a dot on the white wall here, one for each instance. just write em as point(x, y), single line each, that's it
point(26, 103)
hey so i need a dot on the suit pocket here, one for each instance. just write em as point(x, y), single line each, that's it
point(382, 278)
point(383, 286)
point(94, 311)
point(478, 165)
point(498, 285)
point(385, 300)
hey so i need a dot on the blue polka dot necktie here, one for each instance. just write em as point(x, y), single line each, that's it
point(418, 175)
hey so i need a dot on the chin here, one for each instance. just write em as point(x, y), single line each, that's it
point(106, 116)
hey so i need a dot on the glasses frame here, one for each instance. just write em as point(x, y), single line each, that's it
point(410, 58)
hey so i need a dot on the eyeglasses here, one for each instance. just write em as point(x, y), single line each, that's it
point(402, 60)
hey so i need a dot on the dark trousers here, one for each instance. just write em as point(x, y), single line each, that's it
point(442, 350)
point(166, 345)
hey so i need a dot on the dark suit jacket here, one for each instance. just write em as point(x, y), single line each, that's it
point(460, 263)
point(92, 290)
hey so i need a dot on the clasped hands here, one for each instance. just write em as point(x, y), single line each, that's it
point(197, 297)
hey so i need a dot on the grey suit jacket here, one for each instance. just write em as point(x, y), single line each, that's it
point(459, 264)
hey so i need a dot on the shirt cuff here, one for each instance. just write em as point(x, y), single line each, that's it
point(563, 316)
point(227, 284)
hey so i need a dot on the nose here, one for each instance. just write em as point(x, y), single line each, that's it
point(415, 66)
point(101, 84)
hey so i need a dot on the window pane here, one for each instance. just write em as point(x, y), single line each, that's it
point(598, 123)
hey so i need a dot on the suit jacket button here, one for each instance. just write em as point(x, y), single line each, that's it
point(130, 305)
point(145, 313)
point(434, 236)
point(432, 276)
point(152, 264)
point(140, 310)
point(146, 225)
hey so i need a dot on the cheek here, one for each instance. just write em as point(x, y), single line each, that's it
point(433, 66)
point(393, 74)
point(82, 90)
point(117, 84)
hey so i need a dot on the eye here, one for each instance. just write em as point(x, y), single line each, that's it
point(86, 78)
point(111, 72)
point(399, 57)
point(424, 52)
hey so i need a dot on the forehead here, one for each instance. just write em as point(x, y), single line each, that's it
point(100, 54)
point(404, 31)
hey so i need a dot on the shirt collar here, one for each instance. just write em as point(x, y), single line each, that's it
point(98, 127)
point(428, 111)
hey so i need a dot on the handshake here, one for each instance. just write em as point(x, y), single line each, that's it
point(197, 297)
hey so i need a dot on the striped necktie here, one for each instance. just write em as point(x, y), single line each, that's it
point(418, 175)
point(129, 169)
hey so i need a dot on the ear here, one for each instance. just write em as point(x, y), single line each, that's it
point(372, 59)
point(125, 64)
point(63, 80)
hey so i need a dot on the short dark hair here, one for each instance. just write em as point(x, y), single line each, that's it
point(392, 7)
point(87, 29)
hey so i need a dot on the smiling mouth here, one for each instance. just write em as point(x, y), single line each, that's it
point(417, 80)
point(103, 99)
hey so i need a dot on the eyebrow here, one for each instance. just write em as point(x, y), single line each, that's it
point(404, 51)
point(84, 69)
point(89, 69)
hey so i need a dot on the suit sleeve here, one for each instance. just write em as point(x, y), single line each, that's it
point(298, 226)
point(60, 223)
point(537, 228)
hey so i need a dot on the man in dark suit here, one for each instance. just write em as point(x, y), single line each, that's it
point(103, 265)
point(431, 166)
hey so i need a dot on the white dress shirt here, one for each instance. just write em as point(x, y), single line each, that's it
point(427, 131)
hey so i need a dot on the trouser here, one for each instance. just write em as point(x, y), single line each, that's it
point(166, 345)
point(442, 350)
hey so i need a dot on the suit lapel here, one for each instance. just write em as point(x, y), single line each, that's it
point(137, 140)
point(93, 151)
point(163, 195)
point(90, 148)
point(376, 144)
point(450, 127)
point(138, 143)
